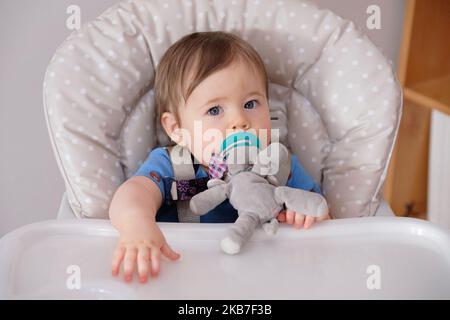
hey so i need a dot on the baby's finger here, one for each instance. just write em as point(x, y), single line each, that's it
point(299, 220)
point(119, 253)
point(143, 263)
point(309, 221)
point(282, 216)
point(290, 216)
point(169, 253)
point(156, 256)
point(129, 263)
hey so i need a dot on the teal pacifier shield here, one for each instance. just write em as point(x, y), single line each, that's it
point(239, 139)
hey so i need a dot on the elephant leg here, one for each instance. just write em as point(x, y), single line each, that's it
point(240, 232)
point(306, 202)
point(271, 227)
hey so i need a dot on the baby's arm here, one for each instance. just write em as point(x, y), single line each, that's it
point(132, 212)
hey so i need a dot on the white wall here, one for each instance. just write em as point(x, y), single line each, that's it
point(30, 31)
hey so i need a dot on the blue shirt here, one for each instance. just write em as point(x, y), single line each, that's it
point(158, 168)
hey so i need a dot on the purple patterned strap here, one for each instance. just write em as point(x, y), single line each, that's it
point(186, 189)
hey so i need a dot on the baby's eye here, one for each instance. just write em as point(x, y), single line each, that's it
point(250, 104)
point(214, 111)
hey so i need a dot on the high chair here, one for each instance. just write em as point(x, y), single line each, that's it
point(334, 99)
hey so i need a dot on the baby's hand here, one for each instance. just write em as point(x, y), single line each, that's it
point(141, 245)
point(299, 220)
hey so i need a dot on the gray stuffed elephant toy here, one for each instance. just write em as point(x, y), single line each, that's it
point(255, 185)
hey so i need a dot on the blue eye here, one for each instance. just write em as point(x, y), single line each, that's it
point(250, 104)
point(214, 111)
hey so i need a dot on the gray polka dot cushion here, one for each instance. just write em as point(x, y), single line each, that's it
point(333, 95)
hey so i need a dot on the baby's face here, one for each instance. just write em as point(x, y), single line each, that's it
point(231, 99)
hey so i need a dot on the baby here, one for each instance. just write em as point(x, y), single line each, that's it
point(205, 81)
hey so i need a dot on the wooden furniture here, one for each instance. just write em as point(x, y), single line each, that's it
point(424, 73)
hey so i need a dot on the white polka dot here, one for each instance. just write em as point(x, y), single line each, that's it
point(374, 89)
point(343, 209)
point(370, 146)
point(84, 164)
point(113, 178)
point(338, 196)
point(87, 200)
point(354, 154)
point(330, 59)
point(325, 83)
point(301, 50)
point(365, 75)
point(355, 62)
point(291, 14)
point(313, 160)
point(368, 181)
point(351, 188)
point(278, 50)
point(344, 50)
point(340, 73)
point(369, 53)
point(350, 85)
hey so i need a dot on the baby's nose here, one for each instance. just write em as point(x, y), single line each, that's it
point(240, 121)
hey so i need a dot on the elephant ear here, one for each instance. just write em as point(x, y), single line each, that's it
point(274, 163)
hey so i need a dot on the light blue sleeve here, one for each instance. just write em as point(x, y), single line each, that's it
point(300, 178)
point(158, 168)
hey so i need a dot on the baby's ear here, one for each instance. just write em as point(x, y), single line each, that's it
point(171, 126)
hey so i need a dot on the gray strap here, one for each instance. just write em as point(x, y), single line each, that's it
point(183, 169)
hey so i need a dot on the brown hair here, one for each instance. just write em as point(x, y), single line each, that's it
point(215, 49)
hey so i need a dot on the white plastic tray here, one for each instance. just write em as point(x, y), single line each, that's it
point(331, 260)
